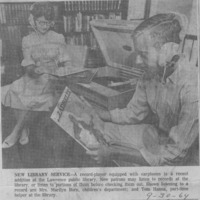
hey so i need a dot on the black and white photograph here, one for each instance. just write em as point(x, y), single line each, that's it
point(132, 84)
point(105, 87)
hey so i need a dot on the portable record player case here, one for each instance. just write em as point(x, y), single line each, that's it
point(114, 84)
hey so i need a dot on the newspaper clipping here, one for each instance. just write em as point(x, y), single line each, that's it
point(99, 100)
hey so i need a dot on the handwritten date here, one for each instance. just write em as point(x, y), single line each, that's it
point(167, 196)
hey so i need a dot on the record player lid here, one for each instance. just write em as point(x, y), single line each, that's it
point(115, 42)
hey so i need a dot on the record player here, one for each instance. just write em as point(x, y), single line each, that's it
point(113, 85)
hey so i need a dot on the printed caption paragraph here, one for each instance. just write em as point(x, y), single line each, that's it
point(155, 185)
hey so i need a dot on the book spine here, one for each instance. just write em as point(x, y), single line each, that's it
point(87, 5)
point(119, 4)
point(1, 19)
point(81, 39)
point(91, 5)
point(103, 5)
point(14, 13)
point(114, 5)
point(88, 23)
point(83, 5)
point(75, 6)
point(27, 12)
point(100, 4)
point(76, 23)
point(11, 15)
point(79, 22)
point(65, 23)
point(4, 14)
point(19, 12)
point(8, 13)
point(1, 47)
point(1, 15)
point(107, 4)
point(83, 23)
point(97, 5)
point(17, 16)
point(70, 23)
point(78, 6)
point(65, 5)
point(69, 6)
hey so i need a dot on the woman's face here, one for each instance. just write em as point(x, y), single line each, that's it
point(42, 25)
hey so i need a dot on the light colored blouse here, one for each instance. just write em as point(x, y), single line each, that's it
point(48, 47)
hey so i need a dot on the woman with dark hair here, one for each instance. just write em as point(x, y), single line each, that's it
point(43, 9)
point(43, 52)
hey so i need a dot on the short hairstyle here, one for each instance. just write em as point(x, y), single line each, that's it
point(45, 9)
point(161, 28)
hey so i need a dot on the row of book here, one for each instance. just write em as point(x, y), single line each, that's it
point(76, 23)
point(12, 34)
point(11, 41)
point(86, 38)
point(94, 5)
point(14, 13)
point(81, 23)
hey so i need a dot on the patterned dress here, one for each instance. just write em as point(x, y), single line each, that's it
point(36, 94)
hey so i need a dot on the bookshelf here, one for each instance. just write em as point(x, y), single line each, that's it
point(13, 23)
point(78, 14)
point(13, 27)
point(76, 17)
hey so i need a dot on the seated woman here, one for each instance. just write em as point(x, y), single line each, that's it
point(43, 53)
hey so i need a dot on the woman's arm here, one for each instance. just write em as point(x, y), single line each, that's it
point(26, 48)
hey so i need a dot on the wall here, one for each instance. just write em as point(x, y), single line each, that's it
point(187, 7)
point(136, 9)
